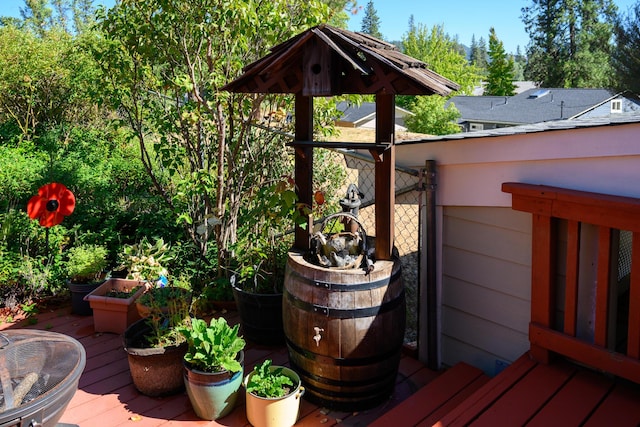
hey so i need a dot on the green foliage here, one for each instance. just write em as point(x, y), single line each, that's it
point(500, 77)
point(44, 81)
point(197, 144)
point(260, 254)
point(269, 381)
point(478, 54)
point(145, 260)
point(440, 52)
point(168, 310)
point(371, 21)
point(432, 117)
point(626, 54)
point(86, 263)
point(570, 42)
point(213, 348)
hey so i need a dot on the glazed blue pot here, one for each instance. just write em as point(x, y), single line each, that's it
point(213, 395)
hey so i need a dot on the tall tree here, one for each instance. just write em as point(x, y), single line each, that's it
point(37, 15)
point(371, 21)
point(440, 51)
point(165, 63)
point(478, 54)
point(626, 54)
point(500, 69)
point(570, 42)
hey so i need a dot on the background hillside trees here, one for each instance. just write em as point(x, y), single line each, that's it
point(441, 52)
point(626, 54)
point(570, 42)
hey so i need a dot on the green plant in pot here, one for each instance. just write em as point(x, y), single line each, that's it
point(272, 395)
point(213, 366)
point(260, 257)
point(85, 267)
point(155, 346)
point(145, 260)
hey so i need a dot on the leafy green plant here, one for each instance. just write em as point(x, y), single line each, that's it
point(168, 309)
point(269, 381)
point(145, 260)
point(213, 347)
point(86, 263)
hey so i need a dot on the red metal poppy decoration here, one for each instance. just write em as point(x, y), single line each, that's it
point(53, 202)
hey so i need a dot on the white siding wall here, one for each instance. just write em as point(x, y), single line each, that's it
point(486, 276)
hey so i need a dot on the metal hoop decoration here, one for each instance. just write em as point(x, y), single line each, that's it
point(322, 242)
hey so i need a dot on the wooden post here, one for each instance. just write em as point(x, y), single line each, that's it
point(385, 176)
point(304, 165)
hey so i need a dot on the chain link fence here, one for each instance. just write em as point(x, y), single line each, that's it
point(361, 172)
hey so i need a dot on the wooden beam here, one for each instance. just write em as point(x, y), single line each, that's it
point(304, 165)
point(571, 283)
point(385, 176)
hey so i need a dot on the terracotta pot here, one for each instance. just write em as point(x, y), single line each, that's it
point(274, 412)
point(112, 314)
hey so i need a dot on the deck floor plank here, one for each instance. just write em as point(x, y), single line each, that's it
point(522, 401)
point(543, 395)
point(572, 405)
point(621, 408)
point(431, 397)
point(484, 397)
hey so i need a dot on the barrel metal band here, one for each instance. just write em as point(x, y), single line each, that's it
point(351, 313)
point(343, 287)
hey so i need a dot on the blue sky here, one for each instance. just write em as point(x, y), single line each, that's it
point(464, 18)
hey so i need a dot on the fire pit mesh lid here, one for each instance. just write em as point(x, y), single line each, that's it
point(33, 364)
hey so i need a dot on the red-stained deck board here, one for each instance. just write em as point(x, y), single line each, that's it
point(431, 397)
point(621, 408)
point(485, 396)
point(452, 403)
point(572, 405)
point(522, 401)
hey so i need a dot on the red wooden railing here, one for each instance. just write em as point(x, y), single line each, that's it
point(608, 213)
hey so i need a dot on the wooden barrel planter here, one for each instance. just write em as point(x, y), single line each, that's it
point(344, 331)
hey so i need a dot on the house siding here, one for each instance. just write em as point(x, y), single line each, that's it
point(486, 276)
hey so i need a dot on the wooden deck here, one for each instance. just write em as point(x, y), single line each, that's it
point(525, 393)
point(106, 395)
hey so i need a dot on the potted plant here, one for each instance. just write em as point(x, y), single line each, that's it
point(272, 395)
point(160, 298)
point(144, 262)
point(260, 260)
point(85, 267)
point(155, 347)
point(213, 366)
point(113, 304)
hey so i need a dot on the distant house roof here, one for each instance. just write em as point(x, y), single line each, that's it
point(358, 115)
point(534, 105)
point(586, 122)
point(521, 86)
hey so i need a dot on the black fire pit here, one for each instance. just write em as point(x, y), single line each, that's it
point(39, 374)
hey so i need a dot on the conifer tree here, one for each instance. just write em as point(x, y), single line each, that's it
point(371, 21)
point(500, 69)
point(626, 54)
point(570, 42)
